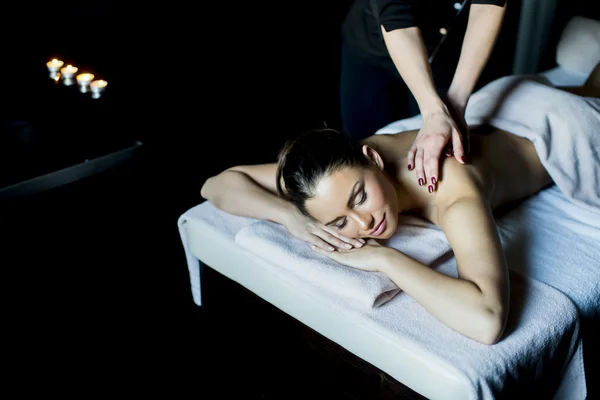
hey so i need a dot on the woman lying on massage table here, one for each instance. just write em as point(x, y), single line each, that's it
point(334, 192)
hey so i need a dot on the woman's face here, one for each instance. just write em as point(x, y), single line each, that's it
point(357, 202)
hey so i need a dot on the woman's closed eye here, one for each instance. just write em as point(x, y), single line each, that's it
point(362, 199)
point(342, 224)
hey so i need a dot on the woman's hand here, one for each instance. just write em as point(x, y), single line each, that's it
point(365, 258)
point(438, 133)
point(317, 234)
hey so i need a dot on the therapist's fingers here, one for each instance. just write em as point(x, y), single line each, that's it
point(457, 145)
point(420, 171)
point(411, 157)
point(448, 150)
point(431, 160)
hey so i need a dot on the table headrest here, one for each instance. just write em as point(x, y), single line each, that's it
point(578, 49)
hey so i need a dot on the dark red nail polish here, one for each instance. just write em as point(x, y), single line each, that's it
point(430, 189)
point(409, 167)
point(433, 180)
point(421, 181)
point(462, 158)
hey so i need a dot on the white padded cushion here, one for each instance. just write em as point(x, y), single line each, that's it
point(578, 49)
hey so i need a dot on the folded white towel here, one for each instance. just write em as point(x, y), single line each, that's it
point(417, 238)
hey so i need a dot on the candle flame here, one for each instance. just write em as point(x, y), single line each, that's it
point(54, 63)
point(85, 77)
point(98, 84)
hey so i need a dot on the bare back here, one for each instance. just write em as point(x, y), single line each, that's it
point(506, 167)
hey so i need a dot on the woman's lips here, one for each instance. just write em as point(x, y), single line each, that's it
point(380, 228)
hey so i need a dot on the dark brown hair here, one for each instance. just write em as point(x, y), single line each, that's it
point(304, 160)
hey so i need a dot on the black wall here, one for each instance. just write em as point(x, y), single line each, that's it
point(217, 84)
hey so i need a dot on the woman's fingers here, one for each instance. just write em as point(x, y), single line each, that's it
point(333, 241)
point(316, 242)
point(351, 241)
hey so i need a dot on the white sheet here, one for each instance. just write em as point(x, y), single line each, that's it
point(556, 243)
point(562, 126)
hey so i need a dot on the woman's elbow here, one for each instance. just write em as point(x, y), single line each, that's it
point(492, 327)
point(205, 191)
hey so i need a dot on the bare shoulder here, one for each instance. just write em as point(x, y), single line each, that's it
point(392, 147)
point(457, 182)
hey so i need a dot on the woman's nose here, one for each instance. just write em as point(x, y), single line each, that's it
point(364, 220)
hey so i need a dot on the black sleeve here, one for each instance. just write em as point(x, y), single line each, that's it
point(398, 14)
point(393, 14)
point(493, 2)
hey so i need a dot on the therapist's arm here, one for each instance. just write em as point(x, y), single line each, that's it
point(408, 52)
point(485, 21)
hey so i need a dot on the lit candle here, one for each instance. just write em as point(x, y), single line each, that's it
point(97, 87)
point(54, 64)
point(67, 73)
point(84, 80)
point(53, 67)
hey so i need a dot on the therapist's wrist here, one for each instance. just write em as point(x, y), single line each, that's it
point(458, 95)
point(431, 105)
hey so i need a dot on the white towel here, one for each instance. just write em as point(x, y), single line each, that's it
point(542, 341)
point(562, 126)
point(417, 238)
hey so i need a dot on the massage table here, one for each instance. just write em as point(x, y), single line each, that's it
point(553, 250)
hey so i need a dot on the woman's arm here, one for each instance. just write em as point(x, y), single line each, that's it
point(247, 191)
point(250, 191)
point(476, 303)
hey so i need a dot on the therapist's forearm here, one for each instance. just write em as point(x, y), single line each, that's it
point(457, 303)
point(482, 31)
point(409, 55)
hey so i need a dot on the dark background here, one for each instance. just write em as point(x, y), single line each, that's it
point(95, 280)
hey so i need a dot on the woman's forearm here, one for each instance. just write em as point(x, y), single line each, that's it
point(482, 31)
point(236, 193)
point(457, 303)
point(409, 55)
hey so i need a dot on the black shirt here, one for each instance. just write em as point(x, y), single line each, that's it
point(361, 32)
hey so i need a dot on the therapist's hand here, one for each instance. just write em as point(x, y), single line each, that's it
point(439, 130)
point(323, 237)
point(456, 107)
